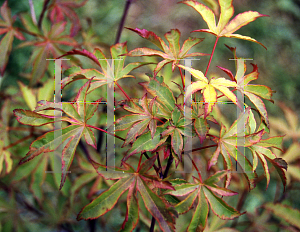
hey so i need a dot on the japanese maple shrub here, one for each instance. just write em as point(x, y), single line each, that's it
point(155, 121)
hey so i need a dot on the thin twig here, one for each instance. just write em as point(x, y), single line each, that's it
point(17, 142)
point(155, 167)
point(43, 13)
point(128, 98)
point(121, 25)
point(105, 132)
point(211, 56)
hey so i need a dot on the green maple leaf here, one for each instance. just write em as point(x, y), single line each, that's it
point(110, 71)
point(78, 113)
point(172, 53)
point(253, 92)
point(203, 193)
point(262, 151)
point(176, 129)
point(6, 26)
point(133, 181)
point(227, 145)
point(48, 43)
point(144, 117)
point(224, 28)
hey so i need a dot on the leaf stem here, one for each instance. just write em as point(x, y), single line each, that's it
point(182, 78)
point(140, 162)
point(17, 142)
point(212, 136)
point(155, 167)
point(200, 148)
point(159, 120)
point(121, 25)
point(200, 177)
point(97, 128)
point(123, 91)
point(211, 56)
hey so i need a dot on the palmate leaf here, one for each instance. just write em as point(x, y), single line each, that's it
point(146, 143)
point(172, 53)
point(253, 92)
point(176, 130)
point(209, 88)
point(110, 71)
point(77, 113)
point(162, 92)
point(228, 142)
point(133, 181)
point(144, 117)
point(224, 28)
point(60, 9)
point(6, 26)
point(204, 194)
point(261, 151)
point(48, 43)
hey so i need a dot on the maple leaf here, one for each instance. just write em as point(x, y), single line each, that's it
point(142, 119)
point(261, 150)
point(60, 9)
point(6, 26)
point(111, 71)
point(157, 88)
point(209, 88)
point(225, 28)
point(78, 113)
point(253, 92)
point(48, 43)
point(133, 181)
point(204, 193)
point(172, 53)
point(228, 142)
point(176, 129)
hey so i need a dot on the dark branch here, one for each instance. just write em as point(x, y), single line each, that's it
point(121, 25)
point(43, 13)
